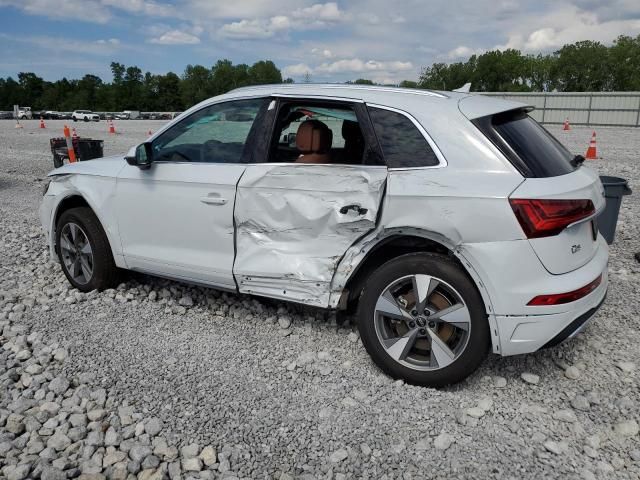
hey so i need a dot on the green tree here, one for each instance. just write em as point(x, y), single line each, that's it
point(196, 84)
point(409, 84)
point(169, 93)
point(624, 61)
point(264, 72)
point(31, 89)
point(583, 67)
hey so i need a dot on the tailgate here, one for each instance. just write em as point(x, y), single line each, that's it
point(576, 244)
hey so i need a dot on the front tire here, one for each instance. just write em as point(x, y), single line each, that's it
point(84, 252)
point(422, 320)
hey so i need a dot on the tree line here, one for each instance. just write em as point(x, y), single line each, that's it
point(130, 89)
point(582, 66)
point(585, 66)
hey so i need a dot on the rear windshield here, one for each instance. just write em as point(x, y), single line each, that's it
point(527, 145)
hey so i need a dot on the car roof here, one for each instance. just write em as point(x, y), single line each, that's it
point(409, 99)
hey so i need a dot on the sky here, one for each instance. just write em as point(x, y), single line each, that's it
point(383, 40)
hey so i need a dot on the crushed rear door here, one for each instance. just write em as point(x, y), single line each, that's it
point(295, 222)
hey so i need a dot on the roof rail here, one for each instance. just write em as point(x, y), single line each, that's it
point(343, 86)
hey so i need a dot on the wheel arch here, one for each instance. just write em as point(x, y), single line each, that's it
point(378, 248)
point(75, 199)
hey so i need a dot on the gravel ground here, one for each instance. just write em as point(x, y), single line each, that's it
point(284, 392)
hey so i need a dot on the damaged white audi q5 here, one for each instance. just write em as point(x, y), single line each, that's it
point(452, 224)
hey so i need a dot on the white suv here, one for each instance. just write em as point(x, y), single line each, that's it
point(86, 115)
point(450, 223)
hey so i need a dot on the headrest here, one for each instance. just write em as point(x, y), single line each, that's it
point(314, 137)
point(350, 130)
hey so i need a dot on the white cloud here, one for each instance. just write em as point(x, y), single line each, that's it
point(462, 52)
point(255, 29)
point(320, 12)
point(322, 52)
point(356, 65)
point(320, 15)
point(142, 7)
point(240, 9)
point(297, 70)
point(569, 25)
point(369, 18)
point(66, 44)
point(62, 9)
point(109, 41)
point(175, 37)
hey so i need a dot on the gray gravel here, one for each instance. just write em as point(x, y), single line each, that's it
point(184, 382)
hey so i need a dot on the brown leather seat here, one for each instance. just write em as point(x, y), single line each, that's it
point(314, 140)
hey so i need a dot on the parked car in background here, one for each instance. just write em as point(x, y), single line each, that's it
point(85, 115)
point(6, 115)
point(64, 115)
point(50, 115)
point(121, 116)
point(451, 224)
point(132, 114)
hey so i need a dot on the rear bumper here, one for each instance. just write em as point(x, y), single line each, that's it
point(512, 275)
point(528, 333)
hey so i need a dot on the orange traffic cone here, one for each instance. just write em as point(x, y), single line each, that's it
point(42, 125)
point(591, 151)
point(565, 125)
point(112, 128)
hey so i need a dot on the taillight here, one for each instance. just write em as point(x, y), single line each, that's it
point(544, 218)
point(560, 298)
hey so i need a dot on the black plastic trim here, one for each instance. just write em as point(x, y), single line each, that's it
point(573, 326)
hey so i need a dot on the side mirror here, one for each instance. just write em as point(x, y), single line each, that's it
point(140, 156)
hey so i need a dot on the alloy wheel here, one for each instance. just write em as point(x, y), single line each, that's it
point(76, 253)
point(422, 322)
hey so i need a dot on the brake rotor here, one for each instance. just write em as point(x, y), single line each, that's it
point(440, 302)
point(445, 331)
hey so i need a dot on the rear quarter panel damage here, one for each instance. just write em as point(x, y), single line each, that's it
point(290, 234)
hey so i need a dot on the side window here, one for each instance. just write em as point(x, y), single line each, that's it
point(403, 145)
point(214, 134)
point(318, 132)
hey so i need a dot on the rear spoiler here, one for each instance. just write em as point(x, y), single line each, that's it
point(477, 106)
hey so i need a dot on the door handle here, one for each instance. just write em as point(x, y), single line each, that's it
point(356, 208)
point(213, 199)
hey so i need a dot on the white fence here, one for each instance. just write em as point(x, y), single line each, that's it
point(621, 109)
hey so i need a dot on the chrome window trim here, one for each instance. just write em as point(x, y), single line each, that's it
point(317, 97)
point(441, 159)
point(276, 164)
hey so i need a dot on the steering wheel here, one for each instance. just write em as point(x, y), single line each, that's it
point(207, 147)
point(180, 154)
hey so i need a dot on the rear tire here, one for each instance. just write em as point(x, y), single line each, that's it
point(422, 320)
point(84, 252)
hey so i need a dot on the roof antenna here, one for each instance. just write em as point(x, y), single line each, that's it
point(466, 88)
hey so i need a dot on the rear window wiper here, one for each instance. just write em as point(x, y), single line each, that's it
point(577, 161)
